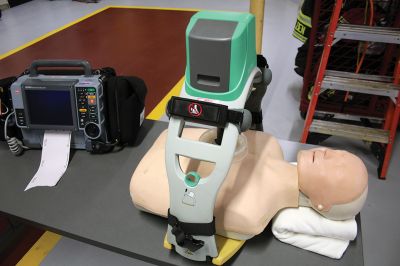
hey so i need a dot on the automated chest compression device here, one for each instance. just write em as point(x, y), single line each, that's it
point(220, 72)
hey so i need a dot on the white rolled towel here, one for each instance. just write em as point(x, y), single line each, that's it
point(305, 228)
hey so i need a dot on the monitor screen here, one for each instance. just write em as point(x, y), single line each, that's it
point(49, 107)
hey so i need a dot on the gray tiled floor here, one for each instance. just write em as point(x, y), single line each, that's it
point(380, 216)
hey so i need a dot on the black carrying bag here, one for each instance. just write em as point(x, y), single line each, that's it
point(125, 99)
point(5, 94)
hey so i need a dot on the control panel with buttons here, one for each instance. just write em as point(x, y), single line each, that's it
point(86, 101)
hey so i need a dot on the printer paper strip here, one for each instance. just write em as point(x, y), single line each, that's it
point(55, 158)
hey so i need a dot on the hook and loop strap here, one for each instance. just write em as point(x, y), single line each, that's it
point(202, 112)
point(184, 232)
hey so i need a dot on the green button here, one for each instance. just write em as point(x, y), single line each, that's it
point(91, 89)
point(192, 179)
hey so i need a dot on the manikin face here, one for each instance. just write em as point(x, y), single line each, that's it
point(331, 177)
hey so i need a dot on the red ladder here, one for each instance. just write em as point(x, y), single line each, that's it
point(359, 83)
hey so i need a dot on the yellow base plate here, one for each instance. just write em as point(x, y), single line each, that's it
point(167, 245)
point(227, 247)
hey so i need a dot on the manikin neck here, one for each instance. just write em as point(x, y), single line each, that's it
point(288, 182)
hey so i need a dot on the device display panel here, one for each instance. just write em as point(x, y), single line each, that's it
point(50, 108)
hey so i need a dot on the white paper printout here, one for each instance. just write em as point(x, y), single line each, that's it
point(54, 161)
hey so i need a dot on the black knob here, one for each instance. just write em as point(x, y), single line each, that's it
point(92, 130)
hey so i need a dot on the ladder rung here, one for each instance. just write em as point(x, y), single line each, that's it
point(359, 83)
point(349, 117)
point(368, 33)
point(369, 77)
point(350, 131)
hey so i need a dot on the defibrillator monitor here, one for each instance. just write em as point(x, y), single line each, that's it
point(60, 102)
point(49, 106)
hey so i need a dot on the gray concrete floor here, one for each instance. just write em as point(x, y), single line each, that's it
point(380, 216)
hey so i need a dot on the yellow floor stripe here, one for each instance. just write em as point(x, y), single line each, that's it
point(159, 110)
point(40, 249)
point(13, 51)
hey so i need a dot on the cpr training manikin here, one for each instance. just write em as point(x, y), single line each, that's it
point(331, 184)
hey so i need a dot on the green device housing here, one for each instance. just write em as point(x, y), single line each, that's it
point(220, 54)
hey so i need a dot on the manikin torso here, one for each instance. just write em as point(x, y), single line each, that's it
point(259, 183)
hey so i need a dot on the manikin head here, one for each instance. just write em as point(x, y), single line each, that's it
point(334, 182)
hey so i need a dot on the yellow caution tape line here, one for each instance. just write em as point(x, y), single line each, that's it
point(40, 249)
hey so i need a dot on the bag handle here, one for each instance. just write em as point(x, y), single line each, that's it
point(33, 70)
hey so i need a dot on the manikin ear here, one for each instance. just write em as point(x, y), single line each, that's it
point(339, 211)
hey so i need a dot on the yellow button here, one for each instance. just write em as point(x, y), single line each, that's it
point(91, 97)
point(83, 110)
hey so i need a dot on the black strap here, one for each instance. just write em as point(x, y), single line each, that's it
point(206, 113)
point(257, 117)
point(184, 232)
point(200, 229)
point(235, 117)
point(262, 61)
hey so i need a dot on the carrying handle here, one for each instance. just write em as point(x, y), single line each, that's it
point(33, 70)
